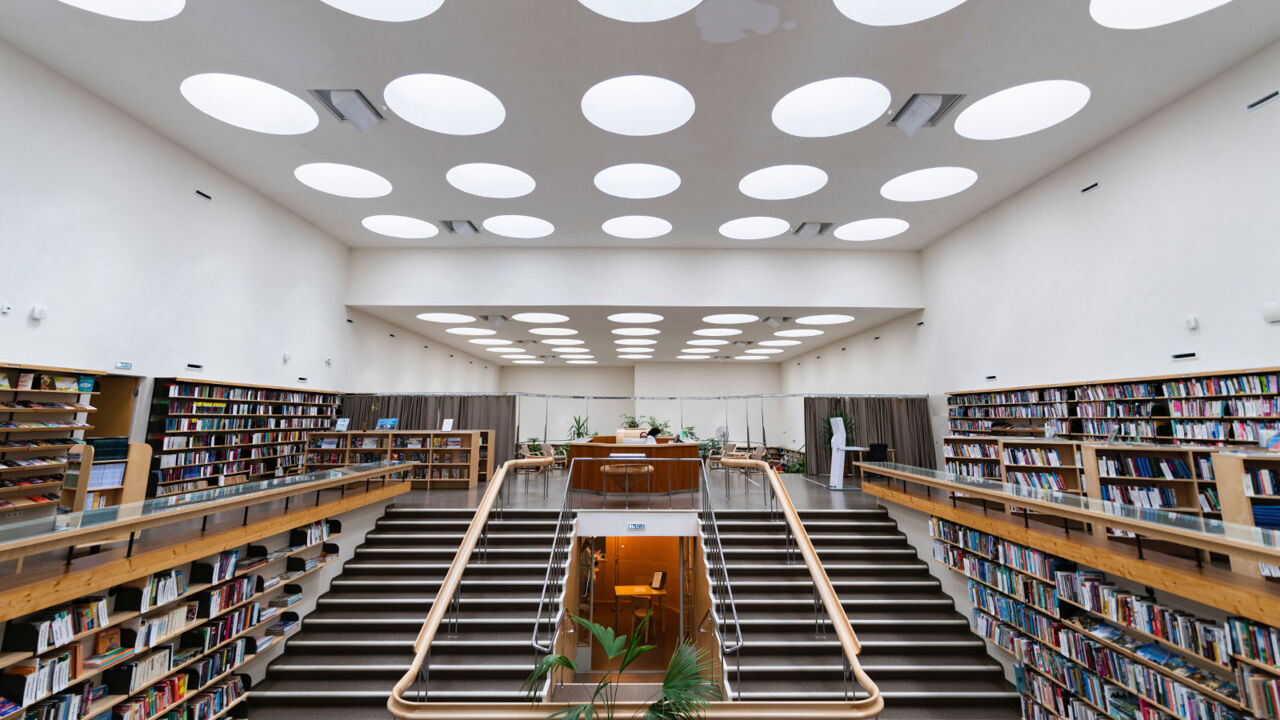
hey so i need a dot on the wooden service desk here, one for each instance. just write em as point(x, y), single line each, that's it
point(639, 475)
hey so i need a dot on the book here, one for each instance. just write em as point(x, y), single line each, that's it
point(387, 423)
point(25, 380)
point(341, 424)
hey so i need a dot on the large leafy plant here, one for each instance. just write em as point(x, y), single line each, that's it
point(578, 428)
point(687, 688)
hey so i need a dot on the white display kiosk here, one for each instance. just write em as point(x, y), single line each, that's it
point(838, 449)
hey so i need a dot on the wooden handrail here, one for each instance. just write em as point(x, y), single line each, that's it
point(1202, 539)
point(401, 707)
point(107, 531)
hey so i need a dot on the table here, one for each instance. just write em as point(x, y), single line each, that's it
point(637, 591)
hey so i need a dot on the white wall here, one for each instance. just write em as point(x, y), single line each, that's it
point(549, 418)
point(1055, 286)
point(101, 224)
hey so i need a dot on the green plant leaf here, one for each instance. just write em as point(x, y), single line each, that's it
point(687, 688)
point(612, 643)
point(545, 666)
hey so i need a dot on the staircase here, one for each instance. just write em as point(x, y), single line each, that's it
point(915, 646)
point(359, 640)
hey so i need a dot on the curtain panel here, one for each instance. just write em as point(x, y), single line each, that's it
point(902, 423)
point(425, 412)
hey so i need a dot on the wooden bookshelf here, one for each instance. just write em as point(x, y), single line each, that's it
point(83, 491)
point(1213, 408)
point(441, 459)
point(205, 433)
point(1058, 638)
point(1239, 476)
point(38, 427)
point(209, 642)
point(485, 456)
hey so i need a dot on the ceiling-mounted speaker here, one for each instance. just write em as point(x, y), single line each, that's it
point(460, 227)
point(349, 106)
point(923, 110)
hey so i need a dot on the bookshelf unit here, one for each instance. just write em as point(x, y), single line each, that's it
point(1085, 649)
point(207, 433)
point(182, 637)
point(440, 458)
point(106, 483)
point(485, 456)
point(974, 457)
point(1249, 489)
point(38, 427)
point(1214, 408)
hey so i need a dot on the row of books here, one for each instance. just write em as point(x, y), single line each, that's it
point(981, 470)
point(1261, 481)
point(1148, 467)
point(33, 443)
point(184, 390)
point(1229, 385)
point(1032, 456)
point(1044, 700)
point(47, 381)
point(1043, 596)
point(1019, 557)
point(42, 425)
point(227, 455)
point(1092, 591)
point(227, 595)
point(449, 474)
point(183, 424)
point(216, 699)
point(203, 407)
point(1113, 409)
point(55, 628)
point(196, 442)
point(1124, 428)
point(163, 587)
point(1261, 690)
point(1116, 391)
point(971, 450)
point(1039, 480)
point(997, 398)
point(1147, 497)
point(20, 405)
point(181, 488)
point(1239, 407)
point(29, 480)
point(150, 630)
point(312, 534)
point(1055, 410)
point(1209, 500)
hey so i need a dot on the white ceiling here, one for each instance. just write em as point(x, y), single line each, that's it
point(540, 56)
point(675, 328)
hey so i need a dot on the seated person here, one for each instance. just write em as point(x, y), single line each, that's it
point(652, 437)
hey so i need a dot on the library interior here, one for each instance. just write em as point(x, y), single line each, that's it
point(663, 359)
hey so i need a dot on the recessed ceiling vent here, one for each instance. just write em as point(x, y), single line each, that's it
point(349, 106)
point(923, 110)
point(811, 228)
point(460, 227)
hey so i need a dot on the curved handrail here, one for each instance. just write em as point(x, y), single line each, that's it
point(402, 707)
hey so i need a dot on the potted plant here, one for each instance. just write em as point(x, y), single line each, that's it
point(535, 445)
point(709, 447)
point(630, 421)
point(578, 428)
point(687, 688)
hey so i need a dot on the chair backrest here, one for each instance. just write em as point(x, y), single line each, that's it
point(877, 452)
point(837, 432)
point(728, 448)
point(624, 433)
point(758, 452)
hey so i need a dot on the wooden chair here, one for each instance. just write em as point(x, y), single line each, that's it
point(526, 453)
point(727, 451)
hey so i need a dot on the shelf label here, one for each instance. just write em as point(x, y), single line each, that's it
point(635, 526)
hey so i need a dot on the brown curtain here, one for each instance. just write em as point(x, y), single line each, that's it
point(425, 412)
point(902, 423)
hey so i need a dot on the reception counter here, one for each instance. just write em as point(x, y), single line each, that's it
point(601, 473)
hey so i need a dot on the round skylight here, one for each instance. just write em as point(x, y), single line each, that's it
point(581, 362)
point(717, 332)
point(731, 319)
point(824, 319)
point(499, 349)
point(490, 180)
point(884, 13)
point(871, 229)
point(444, 104)
point(929, 184)
point(554, 332)
point(387, 10)
point(779, 343)
point(637, 105)
point(570, 349)
point(831, 107)
point(636, 357)
point(248, 103)
point(754, 228)
point(447, 318)
point(527, 362)
point(635, 341)
point(1022, 109)
point(705, 342)
point(342, 180)
point(1142, 14)
point(763, 351)
point(521, 227)
point(698, 350)
point(642, 11)
point(639, 318)
point(636, 227)
point(635, 331)
point(473, 331)
point(146, 11)
point(540, 318)
point(692, 357)
point(798, 332)
point(750, 357)
point(783, 182)
point(563, 341)
point(490, 341)
point(637, 181)
point(400, 226)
